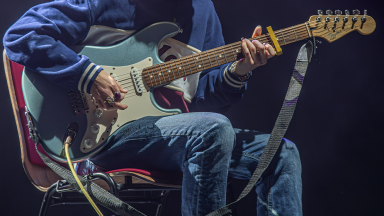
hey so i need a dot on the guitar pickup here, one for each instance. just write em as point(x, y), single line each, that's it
point(137, 81)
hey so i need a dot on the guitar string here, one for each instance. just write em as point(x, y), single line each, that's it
point(303, 29)
point(299, 35)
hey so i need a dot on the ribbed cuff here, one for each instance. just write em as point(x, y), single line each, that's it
point(232, 80)
point(90, 72)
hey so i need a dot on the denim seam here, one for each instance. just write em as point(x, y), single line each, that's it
point(269, 197)
point(201, 174)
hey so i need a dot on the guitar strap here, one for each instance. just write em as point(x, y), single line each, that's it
point(281, 124)
point(121, 208)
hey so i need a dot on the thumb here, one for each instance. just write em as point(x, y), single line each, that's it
point(257, 31)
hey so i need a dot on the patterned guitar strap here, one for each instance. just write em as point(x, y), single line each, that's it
point(281, 124)
point(119, 207)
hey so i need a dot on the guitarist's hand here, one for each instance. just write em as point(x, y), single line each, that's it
point(105, 86)
point(256, 54)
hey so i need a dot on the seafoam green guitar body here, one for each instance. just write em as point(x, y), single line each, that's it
point(51, 107)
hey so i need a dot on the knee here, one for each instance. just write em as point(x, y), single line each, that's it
point(290, 157)
point(219, 131)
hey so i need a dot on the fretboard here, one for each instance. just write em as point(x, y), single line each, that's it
point(167, 72)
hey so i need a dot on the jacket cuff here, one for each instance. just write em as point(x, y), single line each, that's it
point(233, 81)
point(90, 72)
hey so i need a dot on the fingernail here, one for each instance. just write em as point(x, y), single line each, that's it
point(265, 44)
point(125, 90)
point(258, 26)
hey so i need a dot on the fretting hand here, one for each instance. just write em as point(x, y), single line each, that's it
point(106, 86)
point(256, 54)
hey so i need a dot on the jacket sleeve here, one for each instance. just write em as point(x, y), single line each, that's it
point(40, 39)
point(217, 88)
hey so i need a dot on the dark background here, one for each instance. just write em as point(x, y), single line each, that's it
point(337, 125)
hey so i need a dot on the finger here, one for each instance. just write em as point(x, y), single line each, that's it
point(115, 87)
point(120, 106)
point(252, 50)
point(271, 51)
point(246, 52)
point(257, 31)
point(264, 55)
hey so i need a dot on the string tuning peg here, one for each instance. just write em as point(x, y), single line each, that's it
point(347, 12)
point(320, 12)
point(329, 12)
point(356, 12)
point(338, 12)
point(365, 12)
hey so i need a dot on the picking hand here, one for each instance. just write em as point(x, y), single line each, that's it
point(256, 54)
point(105, 86)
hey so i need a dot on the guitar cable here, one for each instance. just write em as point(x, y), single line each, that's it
point(66, 146)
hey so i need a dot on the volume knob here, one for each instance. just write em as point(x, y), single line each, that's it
point(95, 128)
point(88, 143)
point(98, 113)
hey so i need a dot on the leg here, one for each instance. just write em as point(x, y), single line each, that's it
point(198, 144)
point(279, 188)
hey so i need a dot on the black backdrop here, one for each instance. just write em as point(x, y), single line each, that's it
point(337, 125)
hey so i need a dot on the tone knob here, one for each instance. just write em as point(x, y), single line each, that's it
point(95, 129)
point(98, 113)
point(88, 143)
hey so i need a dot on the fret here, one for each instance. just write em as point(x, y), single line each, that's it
point(149, 78)
point(234, 56)
point(158, 74)
point(153, 76)
point(224, 54)
point(168, 71)
point(174, 61)
point(161, 72)
point(216, 57)
point(195, 63)
point(182, 64)
point(189, 65)
point(206, 53)
point(294, 32)
point(283, 37)
point(201, 59)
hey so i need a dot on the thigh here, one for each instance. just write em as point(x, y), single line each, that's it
point(156, 143)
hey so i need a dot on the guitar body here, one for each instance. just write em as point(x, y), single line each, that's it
point(53, 109)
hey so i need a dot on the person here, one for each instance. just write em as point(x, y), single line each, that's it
point(200, 143)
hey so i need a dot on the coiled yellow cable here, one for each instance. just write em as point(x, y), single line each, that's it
point(78, 180)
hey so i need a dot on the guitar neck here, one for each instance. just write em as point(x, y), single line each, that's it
point(167, 72)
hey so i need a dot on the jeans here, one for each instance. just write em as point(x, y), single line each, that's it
point(207, 150)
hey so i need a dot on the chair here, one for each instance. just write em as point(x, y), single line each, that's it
point(151, 186)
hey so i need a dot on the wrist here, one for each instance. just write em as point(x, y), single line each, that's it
point(238, 72)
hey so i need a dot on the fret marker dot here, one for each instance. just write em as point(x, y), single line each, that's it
point(151, 76)
point(197, 58)
point(220, 56)
point(159, 73)
point(180, 68)
point(199, 66)
point(169, 71)
point(237, 50)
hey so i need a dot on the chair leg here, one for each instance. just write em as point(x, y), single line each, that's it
point(161, 205)
point(47, 199)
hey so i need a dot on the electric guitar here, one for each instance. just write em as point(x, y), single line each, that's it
point(134, 62)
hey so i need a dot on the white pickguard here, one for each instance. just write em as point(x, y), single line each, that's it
point(138, 106)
